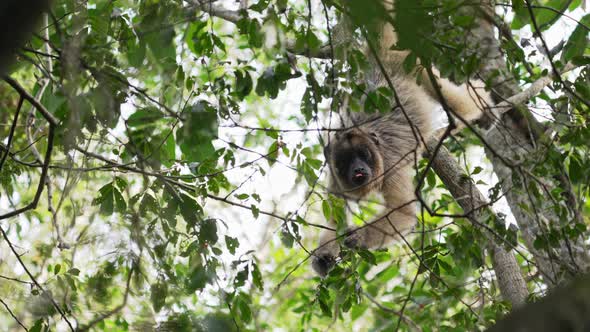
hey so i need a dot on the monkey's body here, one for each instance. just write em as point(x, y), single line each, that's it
point(377, 152)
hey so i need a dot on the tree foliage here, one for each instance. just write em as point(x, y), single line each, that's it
point(162, 166)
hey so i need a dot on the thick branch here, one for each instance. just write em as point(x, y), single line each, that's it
point(523, 97)
point(510, 279)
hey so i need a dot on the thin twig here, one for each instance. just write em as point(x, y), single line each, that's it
point(12, 129)
point(13, 315)
point(43, 291)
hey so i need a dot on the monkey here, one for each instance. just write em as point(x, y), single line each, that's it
point(375, 153)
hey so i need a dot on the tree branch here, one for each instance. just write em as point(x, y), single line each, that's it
point(535, 88)
point(40, 108)
point(510, 280)
point(42, 178)
point(12, 129)
point(13, 315)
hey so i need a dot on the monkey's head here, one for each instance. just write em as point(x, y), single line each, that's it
point(355, 161)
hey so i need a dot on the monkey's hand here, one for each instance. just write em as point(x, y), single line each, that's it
point(356, 239)
point(367, 237)
point(324, 257)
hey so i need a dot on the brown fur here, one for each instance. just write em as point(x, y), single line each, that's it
point(396, 150)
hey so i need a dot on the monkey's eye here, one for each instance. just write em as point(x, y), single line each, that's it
point(365, 154)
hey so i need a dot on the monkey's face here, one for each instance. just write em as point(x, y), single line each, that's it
point(355, 162)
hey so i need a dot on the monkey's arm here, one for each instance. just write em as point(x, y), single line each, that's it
point(398, 219)
point(324, 256)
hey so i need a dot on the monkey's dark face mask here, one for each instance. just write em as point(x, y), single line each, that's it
point(352, 158)
point(354, 167)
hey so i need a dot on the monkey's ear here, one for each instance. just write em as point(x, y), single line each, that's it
point(375, 138)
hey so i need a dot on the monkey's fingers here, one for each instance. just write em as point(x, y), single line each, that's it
point(323, 263)
point(357, 238)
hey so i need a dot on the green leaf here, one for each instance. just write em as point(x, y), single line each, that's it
point(255, 211)
point(273, 153)
point(244, 84)
point(38, 326)
point(158, 294)
point(135, 52)
point(147, 116)
point(547, 15)
point(431, 178)
point(286, 237)
point(307, 105)
point(463, 20)
point(326, 209)
point(148, 204)
point(217, 42)
point(367, 256)
point(199, 130)
point(110, 200)
point(325, 308)
point(244, 309)
point(197, 279)
point(158, 35)
point(190, 210)
point(255, 35)
point(410, 62)
point(307, 42)
point(231, 243)
point(74, 271)
point(120, 182)
point(257, 277)
point(309, 174)
point(208, 231)
point(242, 196)
point(583, 90)
point(577, 43)
point(267, 84)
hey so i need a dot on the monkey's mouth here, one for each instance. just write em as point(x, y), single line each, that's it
point(359, 178)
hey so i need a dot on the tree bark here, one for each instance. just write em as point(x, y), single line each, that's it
point(512, 140)
point(508, 274)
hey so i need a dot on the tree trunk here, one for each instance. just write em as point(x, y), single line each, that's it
point(512, 139)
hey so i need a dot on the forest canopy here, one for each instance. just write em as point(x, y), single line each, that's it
point(162, 166)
